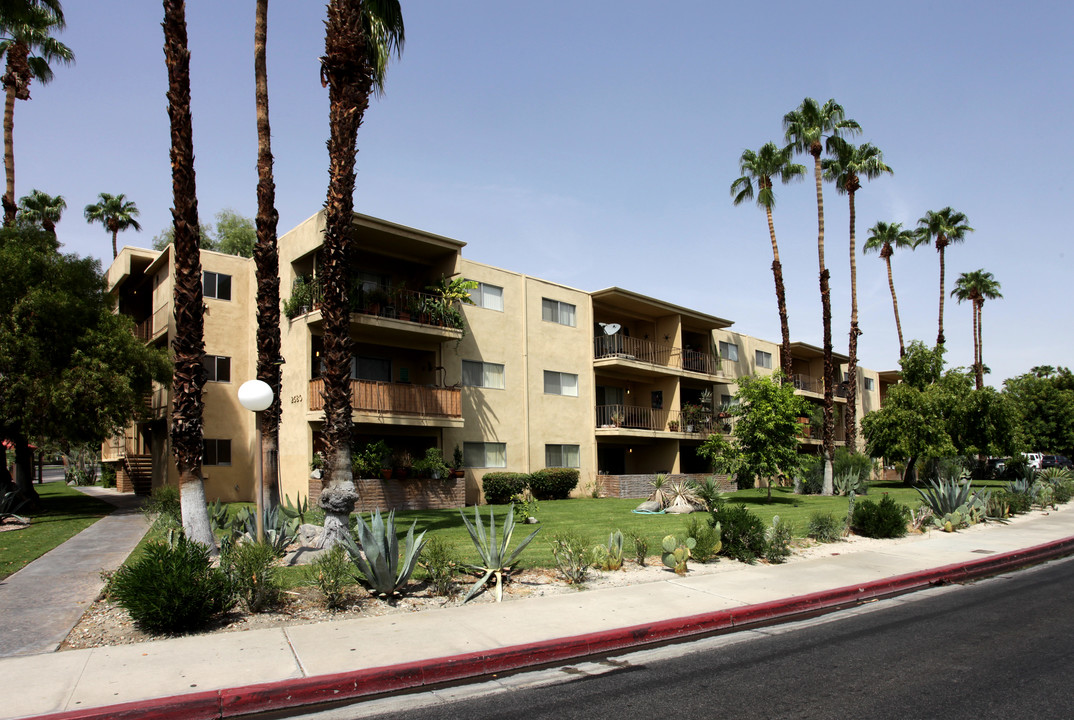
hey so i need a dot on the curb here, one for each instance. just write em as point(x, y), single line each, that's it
point(289, 694)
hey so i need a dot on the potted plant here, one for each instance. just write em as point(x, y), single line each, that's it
point(617, 418)
point(673, 425)
point(456, 463)
point(403, 464)
point(432, 465)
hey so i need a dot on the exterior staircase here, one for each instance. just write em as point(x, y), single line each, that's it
point(140, 472)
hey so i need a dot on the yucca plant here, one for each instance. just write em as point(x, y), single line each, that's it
point(384, 570)
point(660, 490)
point(1055, 475)
point(682, 497)
point(495, 560)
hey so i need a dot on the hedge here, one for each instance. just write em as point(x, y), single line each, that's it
point(499, 487)
point(553, 483)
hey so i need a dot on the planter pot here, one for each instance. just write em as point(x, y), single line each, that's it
point(400, 473)
point(458, 474)
point(386, 473)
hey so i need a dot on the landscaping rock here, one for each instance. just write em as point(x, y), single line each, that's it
point(679, 510)
point(650, 506)
point(302, 556)
point(309, 535)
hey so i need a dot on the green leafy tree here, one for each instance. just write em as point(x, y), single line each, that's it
point(116, 213)
point(26, 29)
point(760, 167)
point(977, 286)
point(39, 208)
point(166, 237)
point(807, 128)
point(945, 227)
point(1044, 399)
point(235, 234)
point(885, 238)
point(71, 370)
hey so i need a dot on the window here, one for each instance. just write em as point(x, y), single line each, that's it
point(729, 351)
point(488, 296)
point(557, 312)
point(868, 383)
point(371, 368)
point(727, 402)
point(216, 285)
point(484, 454)
point(561, 456)
point(764, 359)
point(560, 383)
point(219, 367)
point(482, 374)
point(216, 452)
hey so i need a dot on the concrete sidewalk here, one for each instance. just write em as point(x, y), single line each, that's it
point(237, 673)
point(42, 602)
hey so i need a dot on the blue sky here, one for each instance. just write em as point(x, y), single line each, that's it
point(593, 143)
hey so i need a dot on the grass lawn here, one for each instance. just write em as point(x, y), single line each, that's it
point(64, 513)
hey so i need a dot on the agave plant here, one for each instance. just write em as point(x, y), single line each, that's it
point(850, 481)
point(279, 533)
point(945, 496)
point(1055, 475)
point(385, 571)
point(495, 560)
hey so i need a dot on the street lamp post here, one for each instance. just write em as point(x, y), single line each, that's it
point(256, 396)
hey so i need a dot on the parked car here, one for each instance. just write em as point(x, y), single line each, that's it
point(997, 467)
point(1048, 461)
point(1033, 459)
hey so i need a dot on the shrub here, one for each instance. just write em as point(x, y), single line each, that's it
point(331, 573)
point(108, 475)
point(852, 463)
point(500, 487)
point(823, 527)
point(742, 532)
point(524, 504)
point(251, 567)
point(163, 506)
point(708, 491)
point(706, 539)
point(810, 478)
point(609, 557)
point(572, 557)
point(553, 483)
point(884, 520)
point(778, 541)
point(1064, 490)
point(173, 588)
point(440, 565)
point(641, 548)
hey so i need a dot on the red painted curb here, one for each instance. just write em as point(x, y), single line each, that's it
point(284, 694)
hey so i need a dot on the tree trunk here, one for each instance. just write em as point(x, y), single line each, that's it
point(115, 251)
point(979, 365)
point(851, 417)
point(9, 155)
point(24, 472)
point(781, 301)
point(895, 305)
point(940, 244)
point(267, 263)
point(909, 476)
point(826, 313)
point(189, 345)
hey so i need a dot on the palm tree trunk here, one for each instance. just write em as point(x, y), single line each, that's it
point(189, 346)
point(979, 343)
point(851, 417)
point(895, 305)
point(781, 301)
point(115, 252)
point(940, 243)
point(9, 155)
point(828, 446)
point(266, 259)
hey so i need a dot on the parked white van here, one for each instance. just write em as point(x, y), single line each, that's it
point(1033, 459)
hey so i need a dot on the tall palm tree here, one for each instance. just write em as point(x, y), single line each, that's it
point(42, 208)
point(760, 167)
point(977, 286)
point(946, 226)
point(885, 238)
point(188, 347)
point(846, 167)
point(359, 39)
point(25, 38)
point(806, 129)
point(116, 213)
point(267, 262)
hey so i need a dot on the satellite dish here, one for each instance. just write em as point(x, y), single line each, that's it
point(610, 328)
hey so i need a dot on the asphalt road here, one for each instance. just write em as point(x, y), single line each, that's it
point(999, 648)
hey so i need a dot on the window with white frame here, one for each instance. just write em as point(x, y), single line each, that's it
point(561, 456)
point(869, 383)
point(216, 285)
point(488, 296)
point(560, 383)
point(216, 452)
point(729, 351)
point(484, 454)
point(764, 359)
point(218, 367)
point(557, 312)
point(482, 374)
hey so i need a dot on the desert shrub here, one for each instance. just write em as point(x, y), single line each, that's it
point(108, 475)
point(524, 504)
point(742, 532)
point(331, 573)
point(641, 548)
point(823, 527)
point(251, 567)
point(708, 491)
point(810, 477)
point(859, 464)
point(441, 565)
point(173, 588)
point(553, 483)
point(500, 487)
point(609, 556)
point(778, 539)
point(884, 520)
point(163, 506)
point(572, 556)
point(1063, 489)
point(706, 538)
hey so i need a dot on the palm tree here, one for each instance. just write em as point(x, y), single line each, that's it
point(188, 347)
point(947, 226)
point(267, 262)
point(116, 213)
point(40, 207)
point(25, 39)
point(846, 167)
point(977, 286)
point(884, 238)
point(359, 39)
point(761, 166)
point(806, 129)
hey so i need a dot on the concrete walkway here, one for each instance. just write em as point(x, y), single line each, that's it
point(237, 673)
point(42, 602)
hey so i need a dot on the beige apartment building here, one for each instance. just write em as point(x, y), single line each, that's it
point(534, 374)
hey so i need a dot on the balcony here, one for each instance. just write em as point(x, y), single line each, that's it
point(144, 330)
point(633, 351)
point(809, 434)
point(396, 399)
point(635, 417)
point(815, 385)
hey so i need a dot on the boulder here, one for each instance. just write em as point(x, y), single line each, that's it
point(650, 506)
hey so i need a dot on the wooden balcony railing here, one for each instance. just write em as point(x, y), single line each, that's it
point(634, 417)
point(808, 383)
point(144, 330)
point(646, 351)
point(385, 398)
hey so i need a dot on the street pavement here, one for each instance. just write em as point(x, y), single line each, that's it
point(237, 673)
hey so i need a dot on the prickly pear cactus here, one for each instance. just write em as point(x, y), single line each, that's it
point(677, 553)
